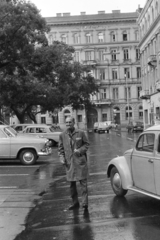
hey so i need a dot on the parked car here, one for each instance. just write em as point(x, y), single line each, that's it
point(102, 127)
point(135, 126)
point(111, 124)
point(20, 126)
point(43, 130)
point(139, 169)
point(95, 126)
point(23, 147)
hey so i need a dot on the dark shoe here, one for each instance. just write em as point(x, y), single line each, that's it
point(85, 207)
point(74, 206)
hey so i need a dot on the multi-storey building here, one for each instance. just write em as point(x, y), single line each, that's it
point(149, 29)
point(108, 43)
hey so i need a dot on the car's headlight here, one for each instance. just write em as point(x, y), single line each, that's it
point(48, 144)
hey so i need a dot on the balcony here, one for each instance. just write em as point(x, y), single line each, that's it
point(144, 94)
point(114, 62)
point(127, 60)
point(152, 61)
point(90, 62)
point(158, 85)
point(100, 102)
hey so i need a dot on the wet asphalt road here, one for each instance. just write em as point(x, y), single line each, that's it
point(135, 217)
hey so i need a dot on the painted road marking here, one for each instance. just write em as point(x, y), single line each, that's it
point(6, 175)
point(9, 187)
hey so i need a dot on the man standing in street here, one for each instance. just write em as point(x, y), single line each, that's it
point(73, 145)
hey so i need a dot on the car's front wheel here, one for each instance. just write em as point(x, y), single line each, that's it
point(28, 157)
point(116, 183)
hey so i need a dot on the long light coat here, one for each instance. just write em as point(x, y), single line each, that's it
point(76, 166)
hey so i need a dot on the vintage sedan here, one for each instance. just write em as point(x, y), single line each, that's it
point(25, 148)
point(139, 169)
point(45, 131)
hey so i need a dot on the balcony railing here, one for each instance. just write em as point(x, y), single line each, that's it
point(152, 60)
point(102, 101)
point(114, 61)
point(90, 62)
point(127, 60)
point(144, 94)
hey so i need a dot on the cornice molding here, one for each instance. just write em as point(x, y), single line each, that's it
point(92, 22)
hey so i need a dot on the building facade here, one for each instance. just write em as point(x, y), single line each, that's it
point(108, 43)
point(149, 31)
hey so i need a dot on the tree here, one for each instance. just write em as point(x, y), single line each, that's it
point(32, 73)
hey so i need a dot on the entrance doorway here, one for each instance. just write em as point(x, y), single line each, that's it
point(116, 112)
point(92, 117)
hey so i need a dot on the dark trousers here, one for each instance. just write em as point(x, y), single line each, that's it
point(84, 190)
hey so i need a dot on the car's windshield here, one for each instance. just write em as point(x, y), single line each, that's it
point(51, 129)
point(10, 131)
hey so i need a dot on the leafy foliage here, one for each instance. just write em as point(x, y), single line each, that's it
point(33, 73)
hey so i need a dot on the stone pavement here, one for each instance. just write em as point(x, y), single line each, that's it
point(14, 207)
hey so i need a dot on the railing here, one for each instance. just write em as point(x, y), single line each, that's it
point(144, 94)
point(102, 101)
point(90, 62)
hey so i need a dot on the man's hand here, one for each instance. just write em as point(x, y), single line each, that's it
point(77, 152)
point(62, 160)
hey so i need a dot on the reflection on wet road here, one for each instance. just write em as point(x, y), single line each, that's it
point(135, 217)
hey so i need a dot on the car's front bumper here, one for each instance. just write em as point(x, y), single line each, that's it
point(45, 152)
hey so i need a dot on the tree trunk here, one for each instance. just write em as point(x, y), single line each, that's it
point(32, 116)
point(19, 115)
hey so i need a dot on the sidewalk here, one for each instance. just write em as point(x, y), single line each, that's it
point(16, 203)
point(14, 207)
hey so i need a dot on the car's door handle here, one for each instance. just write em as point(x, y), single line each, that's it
point(150, 160)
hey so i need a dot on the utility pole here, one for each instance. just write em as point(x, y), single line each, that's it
point(127, 94)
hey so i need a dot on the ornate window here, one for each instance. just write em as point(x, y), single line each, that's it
point(136, 35)
point(77, 56)
point(76, 38)
point(102, 74)
point(125, 36)
point(140, 112)
point(64, 38)
point(88, 38)
point(103, 93)
point(114, 55)
point(126, 73)
point(114, 73)
point(101, 55)
point(115, 93)
point(100, 37)
point(88, 55)
point(137, 54)
point(113, 37)
point(126, 54)
point(128, 112)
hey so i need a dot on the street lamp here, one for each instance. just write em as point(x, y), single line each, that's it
point(127, 94)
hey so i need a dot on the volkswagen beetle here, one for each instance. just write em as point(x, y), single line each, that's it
point(139, 169)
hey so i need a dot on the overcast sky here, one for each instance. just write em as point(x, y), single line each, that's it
point(49, 8)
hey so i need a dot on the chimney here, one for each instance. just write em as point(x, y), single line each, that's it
point(66, 14)
point(83, 13)
point(101, 12)
point(58, 14)
point(116, 11)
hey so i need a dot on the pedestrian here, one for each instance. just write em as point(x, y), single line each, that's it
point(72, 148)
